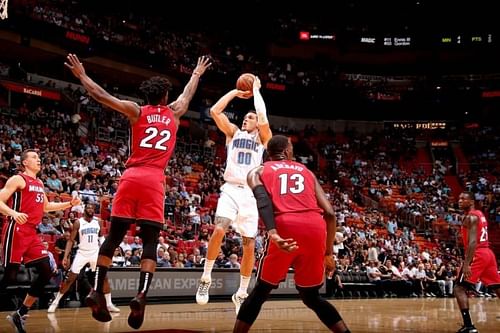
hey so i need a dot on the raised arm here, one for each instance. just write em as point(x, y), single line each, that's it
point(260, 107)
point(181, 104)
point(217, 112)
point(54, 206)
point(128, 108)
point(13, 184)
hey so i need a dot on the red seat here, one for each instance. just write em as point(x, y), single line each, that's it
point(46, 238)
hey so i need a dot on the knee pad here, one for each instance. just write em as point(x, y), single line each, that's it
point(116, 233)
point(43, 278)
point(149, 235)
point(326, 312)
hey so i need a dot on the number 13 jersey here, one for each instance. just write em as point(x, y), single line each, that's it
point(291, 187)
point(152, 138)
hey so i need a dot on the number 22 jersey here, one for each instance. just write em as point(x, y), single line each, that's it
point(152, 138)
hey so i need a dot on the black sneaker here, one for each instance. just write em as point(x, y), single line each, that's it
point(137, 306)
point(17, 321)
point(468, 329)
point(97, 303)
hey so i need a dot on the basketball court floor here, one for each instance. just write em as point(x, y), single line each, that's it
point(436, 315)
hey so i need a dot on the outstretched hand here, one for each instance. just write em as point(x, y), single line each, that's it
point(75, 65)
point(256, 83)
point(75, 201)
point(244, 94)
point(202, 65)
point(287, 245)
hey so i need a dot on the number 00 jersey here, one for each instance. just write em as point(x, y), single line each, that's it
point(291, 187)
point(89, 235)
point(244, 152)
point(152, 137)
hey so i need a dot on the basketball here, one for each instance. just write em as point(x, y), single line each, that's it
point(245, 82)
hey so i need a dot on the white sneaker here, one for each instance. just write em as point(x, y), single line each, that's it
point(52, 308)
point(113, 308)
point(202, 292)
point(238, 300)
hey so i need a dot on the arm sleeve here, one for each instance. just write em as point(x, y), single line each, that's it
point(265, 206)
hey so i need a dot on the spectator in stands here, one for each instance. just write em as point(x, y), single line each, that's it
point(54, 184)
point(60, 246)
point(233, 262)
point(124, 245)
point(47, 228)
point(137, 244)
point(188, 233)
point(118, 258)
point(161, 243)
point(88, 195)
point(164, 261)
point(56, 275)
point(445, 278)
point(180, 260)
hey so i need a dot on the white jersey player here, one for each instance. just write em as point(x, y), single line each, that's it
point(88, 229)
point(237, 205)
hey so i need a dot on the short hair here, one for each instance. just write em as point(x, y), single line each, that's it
point(155, 89)
point(277, 145)
point(469, 194)
point(24, 154)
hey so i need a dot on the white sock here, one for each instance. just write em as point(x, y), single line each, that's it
point(58, 298)
point(207, 270)
point(108, 299)
point(244, 282)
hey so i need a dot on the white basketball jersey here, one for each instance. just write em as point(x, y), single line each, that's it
point(89, 235)
point(244, 152)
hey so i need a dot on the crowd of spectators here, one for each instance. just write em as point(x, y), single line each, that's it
point(361, 173)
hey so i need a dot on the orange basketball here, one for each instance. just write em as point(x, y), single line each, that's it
point(245, 82)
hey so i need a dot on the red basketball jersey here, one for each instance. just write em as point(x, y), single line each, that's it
point(482, 230)
point(29, 200)
point(153, 137)
point(290, 186)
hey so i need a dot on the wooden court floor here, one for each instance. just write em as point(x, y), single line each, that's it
point(437, 315)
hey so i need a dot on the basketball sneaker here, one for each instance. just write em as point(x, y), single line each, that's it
point(137, 307)
point(468, 329)
point(113, 308)
point(97, 303)
point(17, 321)
point(202, 292)
point(53, 306)
point(238, 300)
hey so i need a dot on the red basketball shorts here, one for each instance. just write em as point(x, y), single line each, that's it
point(21, 244)
point(309, 230)
point(483, 268)
point(140, 195)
